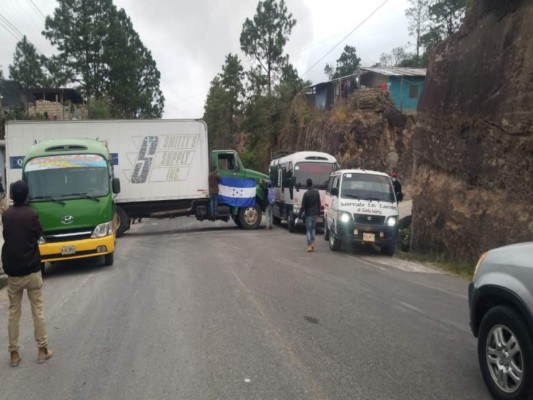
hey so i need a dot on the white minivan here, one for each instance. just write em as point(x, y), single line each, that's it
point(361, 207)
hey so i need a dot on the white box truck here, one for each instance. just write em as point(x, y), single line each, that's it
point(163, 166)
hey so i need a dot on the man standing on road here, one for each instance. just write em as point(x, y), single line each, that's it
point(22, 264)
point(214, 179)
point(310, 210)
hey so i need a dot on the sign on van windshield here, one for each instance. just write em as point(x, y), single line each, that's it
point(317, 172)
point(65, 161)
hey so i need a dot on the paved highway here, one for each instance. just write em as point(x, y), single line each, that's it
point(195, 310)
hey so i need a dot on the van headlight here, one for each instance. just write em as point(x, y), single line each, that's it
point(41, 240)
point(392, 221)
point(102, 230)
point(344, 217)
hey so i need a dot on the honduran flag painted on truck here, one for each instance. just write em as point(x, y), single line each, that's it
point(237, 192)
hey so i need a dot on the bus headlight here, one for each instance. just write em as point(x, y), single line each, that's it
point(102, 230)
point(392, 221)
point(343, 217)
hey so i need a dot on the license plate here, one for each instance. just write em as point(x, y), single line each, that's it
point(369, 237)
point(68, 250)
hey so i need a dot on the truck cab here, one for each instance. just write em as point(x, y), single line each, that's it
point(229, 165)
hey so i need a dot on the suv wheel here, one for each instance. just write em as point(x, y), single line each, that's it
point(505, 354)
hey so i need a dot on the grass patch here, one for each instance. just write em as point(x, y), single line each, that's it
point(460, 268)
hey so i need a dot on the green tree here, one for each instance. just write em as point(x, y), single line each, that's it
point(223, 106)
point(100, 51)
point(28, 67)
point(347, 64)
point(447, 16)
point(264, 37)
point(134, 79)
point(418, 22)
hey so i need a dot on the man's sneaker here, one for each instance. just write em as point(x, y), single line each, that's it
point(15, 358)
point(44, 355)
point(309, 248)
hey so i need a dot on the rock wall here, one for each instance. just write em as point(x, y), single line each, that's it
point(365, 132)
point(473, 143)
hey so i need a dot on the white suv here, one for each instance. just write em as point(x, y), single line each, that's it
point(501, 317)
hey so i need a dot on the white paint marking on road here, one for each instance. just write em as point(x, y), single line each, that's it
point(247, 380)
point(430, 317)
point(76, 290)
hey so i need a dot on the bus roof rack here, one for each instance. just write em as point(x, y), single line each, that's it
point(281, 153)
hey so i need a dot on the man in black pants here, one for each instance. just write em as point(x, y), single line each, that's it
point(311, 208)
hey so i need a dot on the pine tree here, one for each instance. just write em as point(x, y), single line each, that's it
point(28, 66)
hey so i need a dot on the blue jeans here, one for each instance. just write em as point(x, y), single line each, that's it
point(310, 224)
point(213, 204)
point(268, 212)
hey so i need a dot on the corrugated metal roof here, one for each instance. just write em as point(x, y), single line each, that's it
point(395, 71)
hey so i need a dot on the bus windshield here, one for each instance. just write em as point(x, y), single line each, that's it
point(367, 187)
point(67, 176)
point(318, 171)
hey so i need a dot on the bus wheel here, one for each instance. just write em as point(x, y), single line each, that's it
point(291, 223)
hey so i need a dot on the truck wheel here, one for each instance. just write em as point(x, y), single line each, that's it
point(235, 219)
point(108, 259)
point(122, 221)
point(250, 217)
point(291, 223)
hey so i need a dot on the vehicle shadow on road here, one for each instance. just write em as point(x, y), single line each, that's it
point(60, 269)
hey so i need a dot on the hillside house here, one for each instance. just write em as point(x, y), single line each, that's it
point(404, 84)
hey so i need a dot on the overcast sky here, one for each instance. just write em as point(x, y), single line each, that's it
point(190, 39)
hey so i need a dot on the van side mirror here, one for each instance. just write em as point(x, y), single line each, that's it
point(334, 191)
point(116, 185)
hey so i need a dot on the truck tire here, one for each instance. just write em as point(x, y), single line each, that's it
point(108, 259)
point(250, 217)
point(235, 219)
point(122, 221)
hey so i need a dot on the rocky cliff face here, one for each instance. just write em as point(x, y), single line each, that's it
point(473, 143)
point(365, 132)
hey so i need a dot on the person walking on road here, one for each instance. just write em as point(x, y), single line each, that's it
point(214, 179)
point(22, 264)
point(270, 204)
point(310, 210)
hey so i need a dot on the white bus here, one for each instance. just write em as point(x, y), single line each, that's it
point(289, 173)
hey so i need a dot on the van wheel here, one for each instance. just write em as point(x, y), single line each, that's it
point(334, 243)
point(108, 259)
point(388, 250)
point(276, 220)
point(43, 266)
point(122, 222)
point(326, 231)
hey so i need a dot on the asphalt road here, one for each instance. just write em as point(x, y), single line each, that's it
point(196, 310)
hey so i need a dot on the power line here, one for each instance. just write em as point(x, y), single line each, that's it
point(344, 38)
point(12, 27)
point(36, 8)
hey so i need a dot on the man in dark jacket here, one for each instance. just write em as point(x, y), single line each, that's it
point(22, 263)
point(311, 208)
